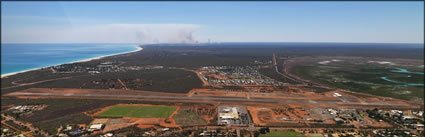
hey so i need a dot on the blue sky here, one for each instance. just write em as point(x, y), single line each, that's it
point(149, 22)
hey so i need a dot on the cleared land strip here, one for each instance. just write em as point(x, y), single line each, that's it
point(122, 83)
point(38, 82)
point(257, 100)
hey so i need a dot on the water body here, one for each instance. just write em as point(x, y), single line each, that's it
point(22, 57)
point(400, 70)
point(402, 83)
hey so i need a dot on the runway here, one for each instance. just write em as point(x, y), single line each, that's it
point(234, 99)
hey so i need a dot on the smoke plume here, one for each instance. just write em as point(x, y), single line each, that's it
point(109, 33)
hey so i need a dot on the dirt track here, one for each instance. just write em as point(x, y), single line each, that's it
point(38, 82)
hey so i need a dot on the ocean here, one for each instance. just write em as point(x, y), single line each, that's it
point(22, 57)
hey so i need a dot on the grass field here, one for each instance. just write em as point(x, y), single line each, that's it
point(282, 133)
point(315, 135)
point(138, 111)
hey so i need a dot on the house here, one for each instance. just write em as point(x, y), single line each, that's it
point(108, 135)
point(339, 120)
point(165, 129)
point(76, 132)
point(407, 117)
point(68, 127)
point(419, 126)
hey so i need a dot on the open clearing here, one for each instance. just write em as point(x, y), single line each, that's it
point(188, 117)
point(138, 111)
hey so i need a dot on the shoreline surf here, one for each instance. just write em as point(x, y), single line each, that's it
point(138, 48)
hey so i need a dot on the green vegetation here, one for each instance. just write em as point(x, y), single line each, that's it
point(366, 78)
point(282, 133)
point(18, 126)
point(315, 135)
point(51, 125)
point(138, 111)
point(188, 117)
point(163, 80)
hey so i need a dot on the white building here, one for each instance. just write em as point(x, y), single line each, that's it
point(229, 113)
point(96, 127)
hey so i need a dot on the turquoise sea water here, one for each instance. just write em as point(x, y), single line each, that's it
point(21, 57)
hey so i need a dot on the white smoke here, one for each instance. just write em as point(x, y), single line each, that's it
point(109, 33)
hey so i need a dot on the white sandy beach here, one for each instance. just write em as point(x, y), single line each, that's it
point(85, 60)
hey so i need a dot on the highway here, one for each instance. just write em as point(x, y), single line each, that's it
point(277, 71)
point(252, 100)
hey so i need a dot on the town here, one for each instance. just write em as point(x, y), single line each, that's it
point(236, 76)
point(249, 120)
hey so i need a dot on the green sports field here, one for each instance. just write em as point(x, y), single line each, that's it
point(138, 111)
point(282, 133)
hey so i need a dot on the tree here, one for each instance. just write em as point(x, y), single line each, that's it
point(256, 134)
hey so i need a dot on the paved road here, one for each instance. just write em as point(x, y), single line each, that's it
point(261, 100)
point(277, 71)
point(296, 79)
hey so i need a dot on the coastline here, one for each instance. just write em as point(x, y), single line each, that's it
point(138, 48)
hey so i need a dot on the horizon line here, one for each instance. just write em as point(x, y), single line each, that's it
point(205, 42)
